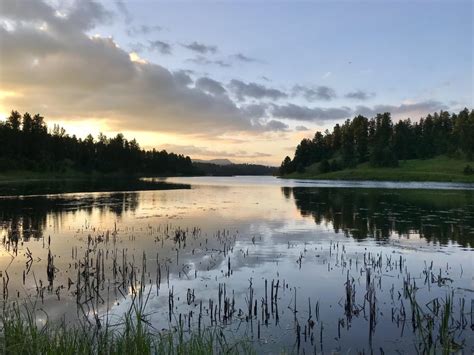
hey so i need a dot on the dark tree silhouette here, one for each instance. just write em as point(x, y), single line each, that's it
point(26, 144)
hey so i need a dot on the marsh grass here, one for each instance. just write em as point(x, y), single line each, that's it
point(439, 326)
point(437, 329)
point(20, 334)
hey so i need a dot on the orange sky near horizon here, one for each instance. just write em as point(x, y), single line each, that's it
point(230, 147)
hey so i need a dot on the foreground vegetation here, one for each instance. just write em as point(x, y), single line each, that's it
point(441, 168)
point(364, 148)
point(433, 324)
point(132, 335)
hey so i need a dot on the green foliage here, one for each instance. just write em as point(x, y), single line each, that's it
point(286, 166)
point(383, 154)
point(383, 144)
point(335, 166)
point(464, 132)
point(433, 326)
point(383, 157)
point(440, 168)
point(132, 335)
point(324, 167)
point(361, 137)
point(348, 145)
point(468, 170)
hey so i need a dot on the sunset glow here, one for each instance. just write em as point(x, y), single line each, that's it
point(223, 91)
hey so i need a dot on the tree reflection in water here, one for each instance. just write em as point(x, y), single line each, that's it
point(436, 216)
point(23, 218)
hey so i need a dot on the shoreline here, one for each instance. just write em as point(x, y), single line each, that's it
point(32, 177)
point(438, 169)
point(374, 179)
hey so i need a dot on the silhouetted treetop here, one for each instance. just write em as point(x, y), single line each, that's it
point(26, 144)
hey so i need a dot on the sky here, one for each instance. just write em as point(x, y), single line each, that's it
point(242, 80)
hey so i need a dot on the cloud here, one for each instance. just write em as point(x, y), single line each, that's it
point(253, 90)
point(86, 14)
point(211, 86)
point(319, 114)
point(359, 95)
point(123, 10)
point(274, 125)
point(160, 46)
point(137, 47)
point(403, 110)
point(62, 71)
point(301, 128)
point(254, 110)
point(314, 93)
point(243, 58)
point(183, 77)
point(200, 48)
point(201, 60)
point(55, 67)
point(314, 114)
point(142, 30)
point(81, 16)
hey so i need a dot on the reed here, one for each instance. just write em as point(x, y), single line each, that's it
point(20, 334)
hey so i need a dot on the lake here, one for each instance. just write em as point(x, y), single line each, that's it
point(297, 265)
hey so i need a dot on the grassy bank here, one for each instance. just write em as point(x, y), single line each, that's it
point(442, 169)
point(19, 334)
point(27, 176)
point(32, 176)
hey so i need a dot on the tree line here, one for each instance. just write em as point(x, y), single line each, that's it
point(383, 143)
point(27, 144)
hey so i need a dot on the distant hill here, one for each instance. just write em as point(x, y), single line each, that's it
point(214, 161)
point(234, 169)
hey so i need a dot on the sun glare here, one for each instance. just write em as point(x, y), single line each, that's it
point(134, 57)
point(82, 128)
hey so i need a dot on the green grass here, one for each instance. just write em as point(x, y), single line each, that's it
point(440, 168)
point(32, 176)
point(27, 176)
point(19, 334)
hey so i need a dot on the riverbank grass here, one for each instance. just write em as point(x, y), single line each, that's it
point(441, 169)
point(15, 176)
point(20, 334)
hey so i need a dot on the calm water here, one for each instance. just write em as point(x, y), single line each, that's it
point(272, 259)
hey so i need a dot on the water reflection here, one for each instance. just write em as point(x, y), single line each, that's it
point(244, 238)
point(436, 216)
point(25, 218)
